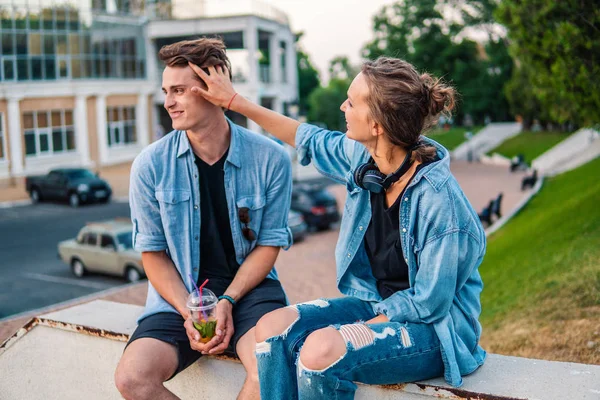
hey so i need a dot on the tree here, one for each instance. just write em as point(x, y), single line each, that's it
point(431, 34)
point(325, 102)
point(559, 45)
point(340, 68)
point(308, 77)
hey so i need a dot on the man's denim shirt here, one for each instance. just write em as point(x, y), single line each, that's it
point(165, 201)
point(443, 244)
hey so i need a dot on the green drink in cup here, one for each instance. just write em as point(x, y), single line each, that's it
point(202, 309)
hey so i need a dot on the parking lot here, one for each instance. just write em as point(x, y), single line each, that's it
point(32, 275)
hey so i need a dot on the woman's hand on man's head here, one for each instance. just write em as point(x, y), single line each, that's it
point(219, 89)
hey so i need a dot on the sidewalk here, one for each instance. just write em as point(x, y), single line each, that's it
point(307, 269)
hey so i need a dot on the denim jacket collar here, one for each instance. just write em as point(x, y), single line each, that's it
point(234, 145)
point(437, 173)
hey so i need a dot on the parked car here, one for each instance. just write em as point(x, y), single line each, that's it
point(297, 225)
point(76, 185)
point(104, 247)
point(316, 204)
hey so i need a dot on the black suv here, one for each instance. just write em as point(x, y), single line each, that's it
point(316, 204)
point(76, 185)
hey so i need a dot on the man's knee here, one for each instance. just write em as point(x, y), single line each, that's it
point(275, 323)
point(133, 385)
point(322, 349)
point(144, 366)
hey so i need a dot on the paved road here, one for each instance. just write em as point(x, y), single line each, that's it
point(32, 277)
point(31, 274)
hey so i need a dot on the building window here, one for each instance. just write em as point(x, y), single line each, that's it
point(40, 41)
point(121, 126)
point(48, 132)
point(2, 140)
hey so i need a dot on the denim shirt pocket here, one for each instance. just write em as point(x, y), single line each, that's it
point(255, 205)
point(174, 206)
point(352, 188)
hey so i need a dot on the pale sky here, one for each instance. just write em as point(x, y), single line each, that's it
point(331, 27)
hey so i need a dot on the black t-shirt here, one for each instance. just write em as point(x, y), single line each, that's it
point(217, 253)
point(384, 246)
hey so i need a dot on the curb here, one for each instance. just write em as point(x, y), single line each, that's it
point(16, 203)
point(27, 202)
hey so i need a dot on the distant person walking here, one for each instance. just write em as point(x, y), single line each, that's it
point(408, 253)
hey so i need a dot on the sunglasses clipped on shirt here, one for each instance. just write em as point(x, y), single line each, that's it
point(244, 215)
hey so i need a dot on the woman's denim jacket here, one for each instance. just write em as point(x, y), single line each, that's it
point(443, 244)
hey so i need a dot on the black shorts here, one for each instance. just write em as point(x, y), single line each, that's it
point(168, 327)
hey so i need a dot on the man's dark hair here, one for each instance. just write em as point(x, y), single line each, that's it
point(204, 52)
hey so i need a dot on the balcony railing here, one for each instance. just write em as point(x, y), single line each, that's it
point(189, 9)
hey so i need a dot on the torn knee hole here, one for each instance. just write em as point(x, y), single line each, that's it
point(321, 303)
point(263, 348)
point(270, 327)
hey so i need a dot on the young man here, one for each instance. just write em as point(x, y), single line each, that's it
point(203, 205)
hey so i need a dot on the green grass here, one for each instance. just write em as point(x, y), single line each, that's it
point(453, 137)
point(530, 144)
point(545, 262)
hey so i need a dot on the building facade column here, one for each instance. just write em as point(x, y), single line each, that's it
point(291, 70)
point(141, 120)
point(251, 43)
point(274, 50)
point(101, 132)
point(81, 131)
point(16, 137)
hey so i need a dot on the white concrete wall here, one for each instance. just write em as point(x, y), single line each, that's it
point(72, 354)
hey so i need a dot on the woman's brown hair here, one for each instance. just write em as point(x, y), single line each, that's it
point(405, 103)
point(204, 52)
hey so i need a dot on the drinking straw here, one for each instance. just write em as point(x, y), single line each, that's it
point(199, 293)
point(201, 304)
point(194, 283)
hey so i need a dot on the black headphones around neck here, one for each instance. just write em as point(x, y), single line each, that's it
point(367, 176)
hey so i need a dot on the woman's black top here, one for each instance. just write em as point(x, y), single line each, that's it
point(384, 246)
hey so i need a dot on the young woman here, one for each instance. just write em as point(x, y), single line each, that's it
point(408, 251)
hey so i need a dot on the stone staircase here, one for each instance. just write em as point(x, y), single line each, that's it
point(576, 150)
point(486, 139)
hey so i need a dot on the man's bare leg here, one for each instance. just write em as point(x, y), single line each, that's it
point(245, 349)
point(144, 366)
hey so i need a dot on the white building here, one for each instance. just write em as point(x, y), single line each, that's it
point(80, 82)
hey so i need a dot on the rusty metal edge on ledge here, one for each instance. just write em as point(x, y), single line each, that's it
point(417, 388)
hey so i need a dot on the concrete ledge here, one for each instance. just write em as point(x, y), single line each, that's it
point(72, 354)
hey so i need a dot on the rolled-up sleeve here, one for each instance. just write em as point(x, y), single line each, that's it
point(330, 151)
point(148, 233)
point(274, 230)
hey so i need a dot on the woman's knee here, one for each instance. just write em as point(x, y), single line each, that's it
point(275, 323)
point(322, 349)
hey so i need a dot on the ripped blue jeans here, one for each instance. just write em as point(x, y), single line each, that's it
point(383, 353)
